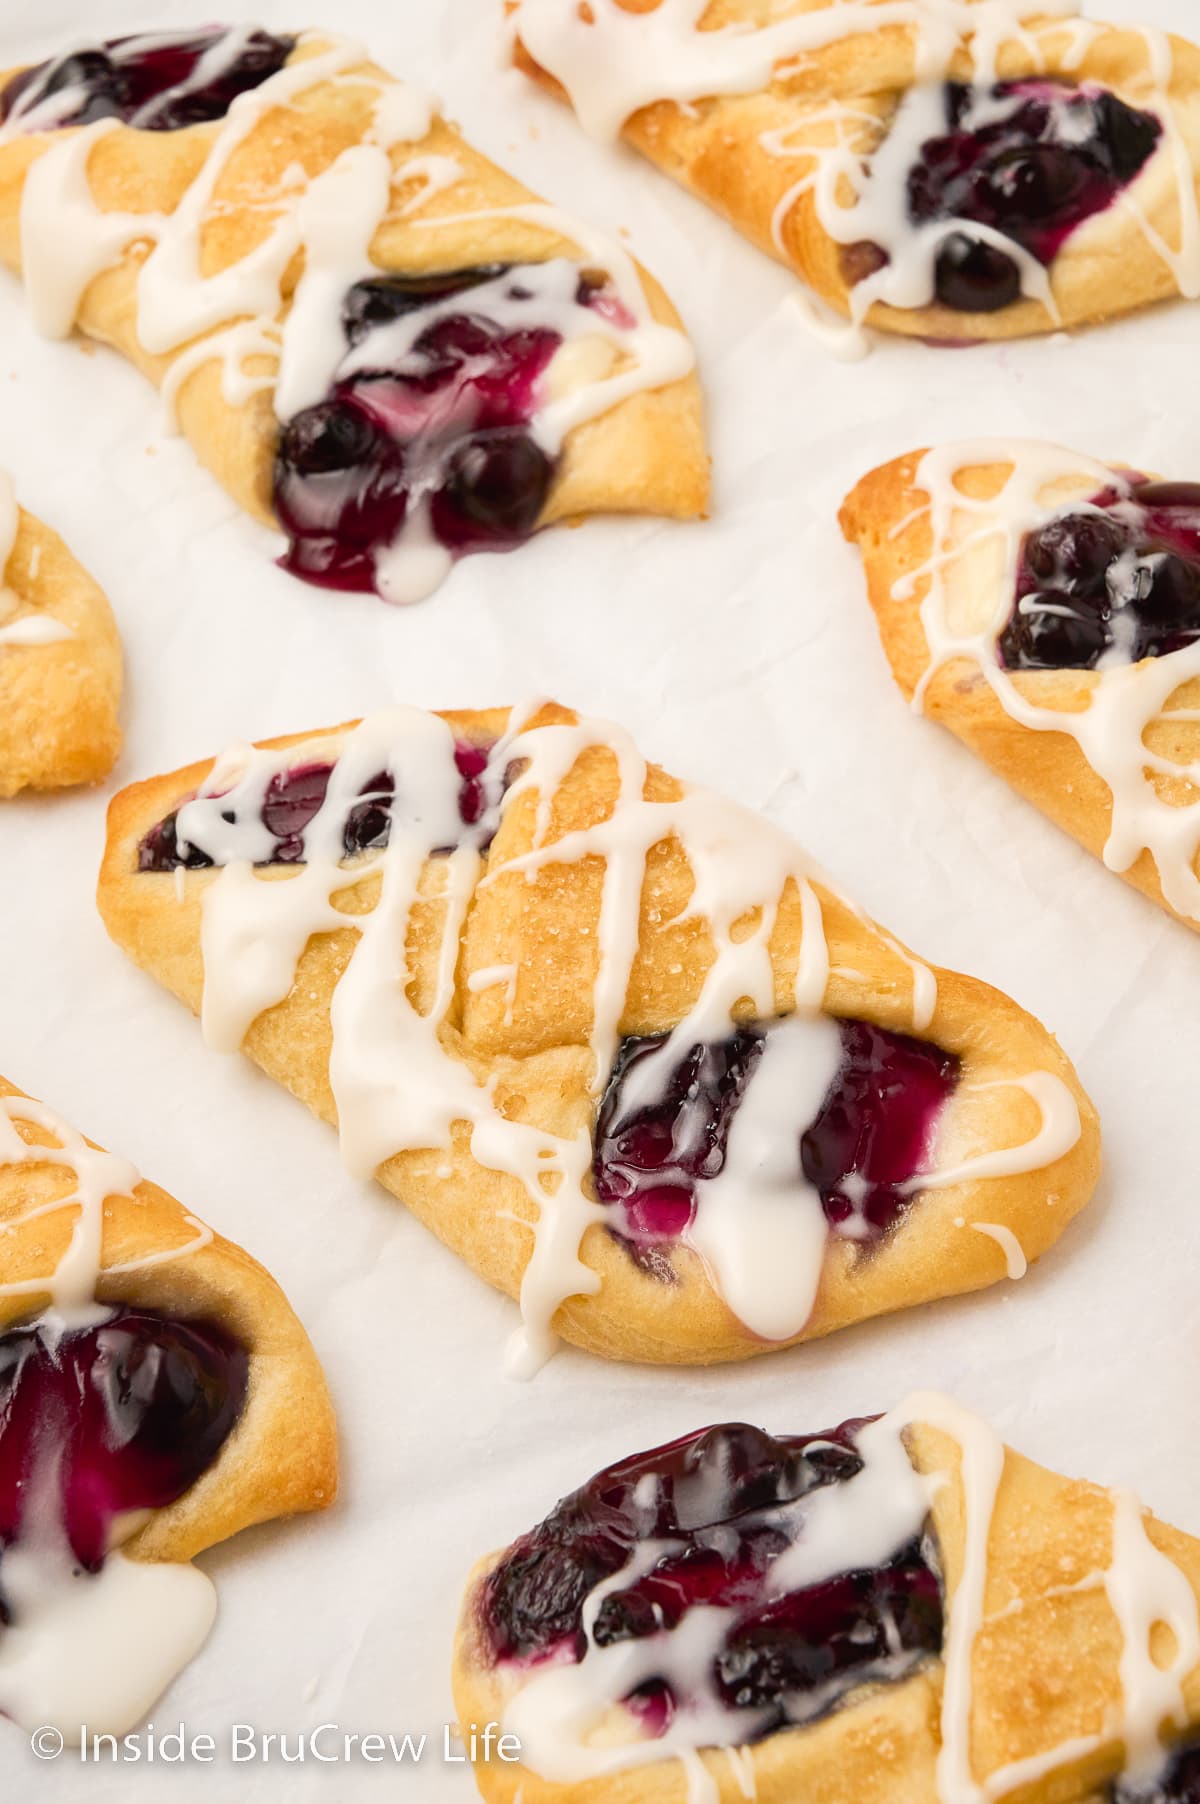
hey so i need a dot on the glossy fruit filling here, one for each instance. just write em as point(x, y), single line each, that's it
point(294, 798)
point(435, 435)
point(1117, 579)
point(1030, 159)
point(719, 1502)
point(871, 1137)
point(157, 81)
point(103, 1420)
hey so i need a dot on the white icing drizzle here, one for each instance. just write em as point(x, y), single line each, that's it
point(839, 1528)
point(37, 110)
point(94, 1649)
point(759, 1223)
point(34, 629)
point(398, 1087)
point(1124, 699)
point(1015, 1262)
point(1146, 1588)
point(858, 1525)
point(1058, 1131)
point(331, 220)
point(612, 61)
point(28, 629)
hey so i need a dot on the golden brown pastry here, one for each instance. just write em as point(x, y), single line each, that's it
point(902, 1611)
point(372, 336)
point(611, 1037)
point(948, 170)
point(1046, 608)
point(159, 1395)
point(60, 661)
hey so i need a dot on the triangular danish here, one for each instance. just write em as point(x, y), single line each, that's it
point(370, 334)
point(902, 1611)
point(951, 170)
point(60, 661)
point(613, 1038)
point(1046, 608)
point(158, 1395)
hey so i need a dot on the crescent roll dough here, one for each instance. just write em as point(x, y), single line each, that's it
point(160, 1395)
point(866, 144)
point(60, 661)
point(1105, 750)
point(1068, 1636)
point(577, 923)
point(245, 263)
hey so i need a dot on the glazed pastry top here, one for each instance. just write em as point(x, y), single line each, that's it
point(947, 149)
point(139, 1407)
point(312, 241)
point(561, 899)
point(731, 1590)
point(1073, 589)
point(157, 1394)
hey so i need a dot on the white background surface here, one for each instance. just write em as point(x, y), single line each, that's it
point(740, 652)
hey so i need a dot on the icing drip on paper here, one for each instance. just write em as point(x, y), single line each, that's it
point(612, 61)
point(1125, 700)
point(82, 1647)
point(397, 1081)
point(233, 314)
point(855, 1524)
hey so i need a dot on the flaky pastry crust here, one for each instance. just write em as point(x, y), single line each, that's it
point(281, 1457)
point(887, 516)
point(714, 147)
point(533, 1042)
point(58, 700)
point(1045, 1668)
point(646, 454)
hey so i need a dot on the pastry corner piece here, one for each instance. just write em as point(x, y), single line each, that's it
point(396, 353)
point(610, 1036)
point(160, 1396)
point(1046, 608)
point(949, 170)
point(60, 661)
point(879, 1614)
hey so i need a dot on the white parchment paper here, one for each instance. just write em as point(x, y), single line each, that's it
point(740, 652)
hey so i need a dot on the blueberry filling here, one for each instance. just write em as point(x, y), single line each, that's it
point(131, 1412)
point(153, 81)
point(1030, 159)
point(869, 1139)
point(719, 1501)
point(1178, 1783)
point(1120, 576)
point(439, 429)
point(294, 798)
